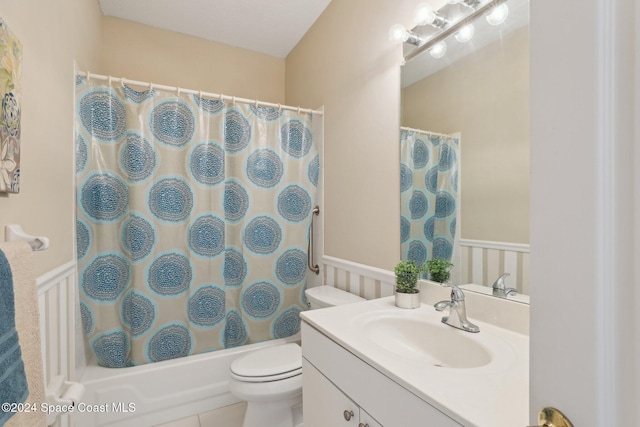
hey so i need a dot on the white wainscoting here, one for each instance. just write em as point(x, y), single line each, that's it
point(367, 282)
point(482, 262)
point(57, 306)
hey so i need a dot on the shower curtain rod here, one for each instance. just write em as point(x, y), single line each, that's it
point(179, 90)
point(424, 131)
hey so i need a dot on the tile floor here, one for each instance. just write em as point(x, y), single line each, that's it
point(229, 416)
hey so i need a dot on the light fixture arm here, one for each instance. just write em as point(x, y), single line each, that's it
point(453, 29)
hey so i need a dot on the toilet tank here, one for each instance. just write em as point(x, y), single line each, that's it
point(328, 296)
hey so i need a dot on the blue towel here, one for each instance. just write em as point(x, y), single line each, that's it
point(13, 381)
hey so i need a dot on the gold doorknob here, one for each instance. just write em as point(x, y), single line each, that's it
point(551, 417)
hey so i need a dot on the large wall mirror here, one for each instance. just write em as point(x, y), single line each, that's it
point(465, 153)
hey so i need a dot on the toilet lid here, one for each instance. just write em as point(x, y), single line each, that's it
point(269, 362)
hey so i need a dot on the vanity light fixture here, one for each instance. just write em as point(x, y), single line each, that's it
point(495, 11)
point(465, 33)
point(438, 50)
point(498, 14)
point(399, 34)
point(425, 15)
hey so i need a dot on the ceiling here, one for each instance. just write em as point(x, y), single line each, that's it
point(271, 27)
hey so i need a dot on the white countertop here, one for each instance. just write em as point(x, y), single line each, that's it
point(493, 395)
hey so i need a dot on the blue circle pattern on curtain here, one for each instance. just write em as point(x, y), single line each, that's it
point(406, 178)
point(287, 323)
point(206, 163)
point(138, 96)
point(445, 204)
point(431, 180)
point(266, 113)
point(87, 319)
point(235, 201)
point(420, 154)
point(106, 277)
point(429, 228)
point(138, 312)
point(265, 168)
point(235, 330)
point(263, 235)
point(442, 248)
point(104, 197)
point(207, 306)
point(295, 138)
point(211, 106)
point(83, 238)
point(405, 228)
point(103, 115)
point(206, 236)
point(260, 300)
point(418, 204)
point(237, 131)
point(314, 171)
point(235, 267)
point(291, 268)
point(172, 123)
point(417, 252)
point(173, 340)
point(294, 203)
point(138, 237)
point(137, 158)
point(170, 274)
point(171, 199)
point(82, 155)
point(112, 349)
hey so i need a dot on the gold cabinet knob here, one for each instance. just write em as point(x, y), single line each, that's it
point(551, 417)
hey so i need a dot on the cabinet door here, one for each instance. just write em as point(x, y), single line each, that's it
point(323, 404)
point(367, 420)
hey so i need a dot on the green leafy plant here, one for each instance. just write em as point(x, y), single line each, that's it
point(438, 269)
point(407, 273)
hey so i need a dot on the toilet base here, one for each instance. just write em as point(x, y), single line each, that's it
point(281, 413)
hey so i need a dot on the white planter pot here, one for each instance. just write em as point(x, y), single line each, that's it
point(407, 300)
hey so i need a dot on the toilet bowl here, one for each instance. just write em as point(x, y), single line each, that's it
point(270, 379)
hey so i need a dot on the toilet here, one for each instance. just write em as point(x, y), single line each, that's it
point(270, 379)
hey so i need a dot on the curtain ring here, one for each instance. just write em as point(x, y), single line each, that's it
point(110, 80)
point(256, 103)
point(150, 86)
point(279, 108)
point(178, 91)
point(200, 95)
point(122, 82)
point(298, 110)
point(222, 97)
point(88, 76)
point(233, 101)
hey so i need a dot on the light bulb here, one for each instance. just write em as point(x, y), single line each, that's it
point(465, 33)
point(398, 34)
point(438, 50)
point(424, 14)
point(498, 14)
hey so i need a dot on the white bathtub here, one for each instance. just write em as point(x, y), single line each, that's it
point(160, 392)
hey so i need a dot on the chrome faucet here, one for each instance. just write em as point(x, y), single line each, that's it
point(499, 288)
point(457, 311)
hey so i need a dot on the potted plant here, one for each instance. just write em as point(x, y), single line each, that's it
point(407, 293)
point(438, 269)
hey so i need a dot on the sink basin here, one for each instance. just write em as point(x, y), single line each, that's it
point(431, 342)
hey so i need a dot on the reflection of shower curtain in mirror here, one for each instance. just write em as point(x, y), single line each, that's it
point(428, 195)
point(192, 221)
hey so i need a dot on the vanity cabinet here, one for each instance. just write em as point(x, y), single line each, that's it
point(326, 405)
point(335, 381)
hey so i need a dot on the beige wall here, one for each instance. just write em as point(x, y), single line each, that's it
point(346, 63)
point(144, 53)
point(486, 97)
point(53, 34)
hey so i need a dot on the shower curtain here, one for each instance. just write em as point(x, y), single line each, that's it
point(192, 223)
point(428, 194)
